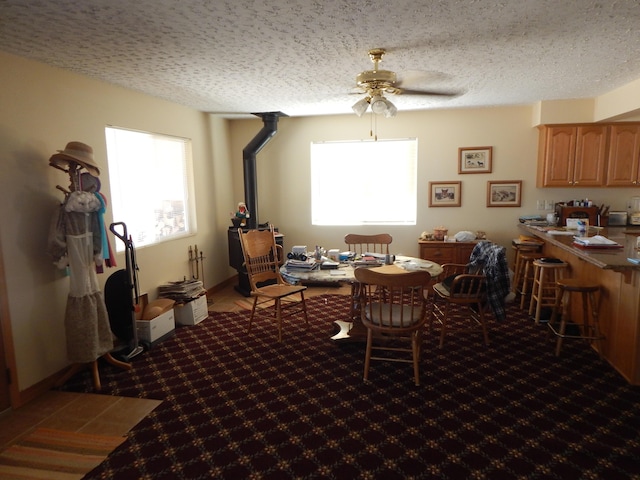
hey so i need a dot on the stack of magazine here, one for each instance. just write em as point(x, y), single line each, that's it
point(183, 291)
point(370, 258)
point(307, 264)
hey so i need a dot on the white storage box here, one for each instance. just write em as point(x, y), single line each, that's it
point(193, 312)
point(157, 329)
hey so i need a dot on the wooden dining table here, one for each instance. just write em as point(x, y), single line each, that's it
point(353, 329)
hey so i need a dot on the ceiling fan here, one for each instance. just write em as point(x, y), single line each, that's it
point(375, 83)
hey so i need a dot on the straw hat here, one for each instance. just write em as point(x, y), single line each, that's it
point(79, 153)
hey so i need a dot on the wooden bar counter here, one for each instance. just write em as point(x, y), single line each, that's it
point(619, 280)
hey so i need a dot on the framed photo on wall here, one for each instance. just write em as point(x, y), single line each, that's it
point(505, 193)
point(445, 194)
point(475, 159)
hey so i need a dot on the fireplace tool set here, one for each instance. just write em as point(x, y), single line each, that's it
point(196, 263)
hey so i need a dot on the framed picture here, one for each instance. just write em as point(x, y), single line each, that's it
point(474, 159)
point(445, 194)
point(506, 193)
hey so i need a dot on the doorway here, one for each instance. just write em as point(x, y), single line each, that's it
point(6, 347)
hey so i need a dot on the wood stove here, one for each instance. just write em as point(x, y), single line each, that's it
point(236, 259)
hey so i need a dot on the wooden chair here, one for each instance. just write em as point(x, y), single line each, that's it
point(360, 244)
point(262, 259)
point(378, 243)
point(459, 292)
point(398, 315)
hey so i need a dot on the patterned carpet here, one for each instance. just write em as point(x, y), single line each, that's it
point(242, 405)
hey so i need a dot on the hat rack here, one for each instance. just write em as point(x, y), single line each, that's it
point(74, 180)
point(73, 170)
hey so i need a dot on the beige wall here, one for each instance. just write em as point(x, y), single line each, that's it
point(622, 103)
point(42, 108)
point(283, 171)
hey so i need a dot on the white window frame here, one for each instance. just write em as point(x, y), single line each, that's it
point(364, 182)
point(151, 185)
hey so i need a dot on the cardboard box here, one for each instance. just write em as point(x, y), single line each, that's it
point(193, 312)
point(157, 329)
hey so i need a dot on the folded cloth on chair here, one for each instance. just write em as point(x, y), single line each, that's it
point(491, 259)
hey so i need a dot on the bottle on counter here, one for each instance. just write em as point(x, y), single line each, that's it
point(582, 228)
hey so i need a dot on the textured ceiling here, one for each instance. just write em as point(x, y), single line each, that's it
point(301, 56)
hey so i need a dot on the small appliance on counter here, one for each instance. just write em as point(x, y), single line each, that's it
point(617, 219)
point(634, 216)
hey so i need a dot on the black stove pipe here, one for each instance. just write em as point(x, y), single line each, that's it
point(269, 129)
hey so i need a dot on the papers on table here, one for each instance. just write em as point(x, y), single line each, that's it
point(329, 264)
point(413, 265)
point(337, 273)
point(561, 232)
point(307, 264)
point(372, 262)
point(595, 241)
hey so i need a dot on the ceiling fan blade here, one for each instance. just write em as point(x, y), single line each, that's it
point(421, 82)
point(414, 78)
point(357, 91)
point(233, 115)
point(431, 93)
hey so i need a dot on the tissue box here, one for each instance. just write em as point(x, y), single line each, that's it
point(158, 328)
point(193, 312)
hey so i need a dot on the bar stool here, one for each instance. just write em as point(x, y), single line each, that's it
point(546, 273)
point(586, 330)
point(518, 264)
point(525, 278)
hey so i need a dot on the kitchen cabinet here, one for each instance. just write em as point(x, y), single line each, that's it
point(623, 164)
point(445, 252)
point(572, 155)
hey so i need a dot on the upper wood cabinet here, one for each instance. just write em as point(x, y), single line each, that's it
point(623, 164)
point(572, 155)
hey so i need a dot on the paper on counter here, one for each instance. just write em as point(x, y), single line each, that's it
point(560, 232)
point(595, 240)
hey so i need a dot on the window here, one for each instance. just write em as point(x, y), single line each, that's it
point(364, 182)
point(149, 185)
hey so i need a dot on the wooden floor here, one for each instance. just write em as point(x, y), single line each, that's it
point(76, 412)
point(229, 300)
point(105, 414)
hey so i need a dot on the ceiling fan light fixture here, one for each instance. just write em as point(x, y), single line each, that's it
point(378, 105)
point(381, 105)
point(376, 83)
point(391, 109)
point(361, 106)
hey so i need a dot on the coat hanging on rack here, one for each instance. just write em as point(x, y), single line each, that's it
point(76, 243)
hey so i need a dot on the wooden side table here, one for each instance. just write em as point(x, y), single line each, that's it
point(440, 252)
